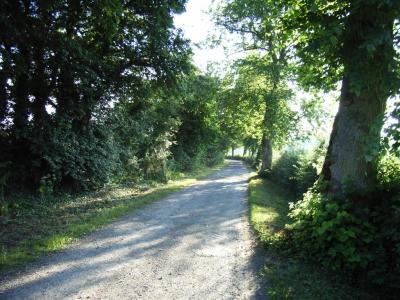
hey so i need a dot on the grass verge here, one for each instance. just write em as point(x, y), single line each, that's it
point(32, 226)
point(288, 277)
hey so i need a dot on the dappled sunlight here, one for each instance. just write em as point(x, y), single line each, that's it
point(202, 222)
point(266, 214)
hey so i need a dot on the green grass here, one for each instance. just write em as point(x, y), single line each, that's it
point(288, 277)
point(268, 208)
point(31, 227)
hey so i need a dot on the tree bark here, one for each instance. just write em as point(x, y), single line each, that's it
point(40, 91)
point(349, 162)
point(4, 76)
point(356, 124)
point(21, 93)
point(266, 153)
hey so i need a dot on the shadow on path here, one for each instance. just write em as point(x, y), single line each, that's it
point(194, 244)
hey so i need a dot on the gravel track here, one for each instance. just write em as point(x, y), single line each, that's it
point(193, 244)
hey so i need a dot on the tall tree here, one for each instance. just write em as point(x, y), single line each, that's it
point(198, 140)
point(258, 22)
point(255, 107)
point(352, 41)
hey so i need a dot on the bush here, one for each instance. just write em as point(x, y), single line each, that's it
point(61, 157)
point(215, 155)
point(328, 232)
point(362, 241)
point(284, 168)
point(204, 155)
point(389, 173)
point(297, 169)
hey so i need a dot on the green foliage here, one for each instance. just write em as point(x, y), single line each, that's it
point(241, 103)
point(360, 241)
point(389, 173)
point(327, 231)
point(297, 169)
point(94, 93)
point(65, 71)
point(199, 138)
point(332, 42)
point(288, 277)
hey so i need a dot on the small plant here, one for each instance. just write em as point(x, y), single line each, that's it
point(47, 183)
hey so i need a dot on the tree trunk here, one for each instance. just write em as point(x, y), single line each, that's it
point(244, 151)
point(356, 124)
point(21, 93)
point(233, 151)
point(266, 153)
point(268, 122)
point(40, 91)
point(4, 76)
point(349, 162)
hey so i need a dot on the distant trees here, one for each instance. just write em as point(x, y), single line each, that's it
point(199, 139)
point(258, 23)
point(254, 108)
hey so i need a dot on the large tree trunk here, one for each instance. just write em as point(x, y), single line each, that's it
point(349, 163)
point(266, 154)
point(356, 124)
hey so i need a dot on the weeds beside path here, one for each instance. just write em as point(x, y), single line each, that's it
point(31, 227)
point(288, 277)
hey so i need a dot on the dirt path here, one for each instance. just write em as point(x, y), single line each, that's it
point(194, 244)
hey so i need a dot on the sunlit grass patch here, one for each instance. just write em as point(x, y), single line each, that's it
point(269, 204)
point(47, 225)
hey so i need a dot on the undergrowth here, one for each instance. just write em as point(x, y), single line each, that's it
point(288, 276)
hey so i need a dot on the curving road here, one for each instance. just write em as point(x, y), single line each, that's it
point(194, 244)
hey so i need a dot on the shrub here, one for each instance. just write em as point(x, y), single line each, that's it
point(297, 169)
point(362, 242)
point(389, 173)
point(284, 168)
point(327, 231)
